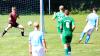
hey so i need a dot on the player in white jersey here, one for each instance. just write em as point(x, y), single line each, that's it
point(37, 43)
point(92, 23)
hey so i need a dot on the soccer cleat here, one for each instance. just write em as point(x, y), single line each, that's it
point(22, 33)
point(3, 33)
point(79, 41)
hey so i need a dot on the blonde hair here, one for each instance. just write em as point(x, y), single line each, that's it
point(61, 7)
point(36, 24)
point(13, 8)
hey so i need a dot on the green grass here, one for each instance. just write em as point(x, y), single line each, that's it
point(13, 44)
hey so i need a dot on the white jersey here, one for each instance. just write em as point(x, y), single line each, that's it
point(35, 39)
point(92, 18)
point(91, 22)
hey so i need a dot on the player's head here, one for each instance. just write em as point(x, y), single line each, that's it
point(93, 10)
point(13, 9)
point(61, 8)
point(66, 12)
point(36, 25)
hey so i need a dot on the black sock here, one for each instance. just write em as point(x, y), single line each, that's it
point(4, 33)
point(69, 49)
point(22, 33)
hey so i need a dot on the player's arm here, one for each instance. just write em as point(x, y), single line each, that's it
point(30, 50)
point(61, 25)
point(30, 46)
point(54, 16)
point(44, 43)
point(97, 22)
point(73, 25)
point(87, 18)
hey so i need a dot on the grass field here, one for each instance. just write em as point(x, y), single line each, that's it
point(13, 44)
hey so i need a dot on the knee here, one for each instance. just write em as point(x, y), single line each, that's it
point(66, 45)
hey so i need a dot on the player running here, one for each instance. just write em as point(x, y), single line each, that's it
point(92, 22)
point(68, 26)
point(58, 17)
point(37, 43)
point(12, 22)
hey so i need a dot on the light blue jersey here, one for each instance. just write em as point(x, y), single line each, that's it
point(35, 38)
point(92, 18)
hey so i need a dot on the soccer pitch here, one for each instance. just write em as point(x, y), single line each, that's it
point(13, 44)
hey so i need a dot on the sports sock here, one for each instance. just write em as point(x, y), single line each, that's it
point(87, 39)
point(22, 33)
point(69, 51)
point(82, 35)
point(4, 33)
point(66, 52)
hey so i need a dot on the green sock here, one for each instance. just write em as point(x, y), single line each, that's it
point(66, 52)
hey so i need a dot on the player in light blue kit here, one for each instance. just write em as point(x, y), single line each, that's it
point(92, 23)
point(37, 44)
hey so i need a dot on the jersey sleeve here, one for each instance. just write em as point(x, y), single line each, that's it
point(42, 36)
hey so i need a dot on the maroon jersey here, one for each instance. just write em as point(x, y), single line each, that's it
point(13, 17)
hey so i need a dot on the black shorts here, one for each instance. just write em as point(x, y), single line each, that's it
point(14, 24)
point(66, 39)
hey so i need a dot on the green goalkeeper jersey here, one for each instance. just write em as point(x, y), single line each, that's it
point(58, 17)
point(67, 24)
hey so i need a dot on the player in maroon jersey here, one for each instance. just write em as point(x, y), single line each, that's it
point(12, 22)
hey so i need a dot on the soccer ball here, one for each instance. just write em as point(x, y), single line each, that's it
point(29, 23)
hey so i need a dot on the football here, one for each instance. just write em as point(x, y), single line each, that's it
point(29, 23)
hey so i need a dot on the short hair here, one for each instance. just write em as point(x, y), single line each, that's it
point(94, 9)
point(61, 7)
point(66, 12)
point(36, 24)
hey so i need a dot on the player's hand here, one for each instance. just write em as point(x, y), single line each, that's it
point(96, 28)
point(30, 52)
point(45, 49)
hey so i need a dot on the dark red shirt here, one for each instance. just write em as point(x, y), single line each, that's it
point(13, 18)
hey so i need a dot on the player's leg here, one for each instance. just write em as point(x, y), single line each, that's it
point(83, 33)
point(34, 51)
point(6, 29)
point(67, 47)
point(41, 51)
point(22, 29)
point(88, 35)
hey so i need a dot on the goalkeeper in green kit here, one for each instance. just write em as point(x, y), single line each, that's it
point(68, 26)
point(58, 17)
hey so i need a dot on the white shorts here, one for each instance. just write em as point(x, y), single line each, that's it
point(38, 51)
point(88, 28)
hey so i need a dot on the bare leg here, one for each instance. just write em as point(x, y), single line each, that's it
point(22, 29)
point(67, 48)
point(6, 29)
